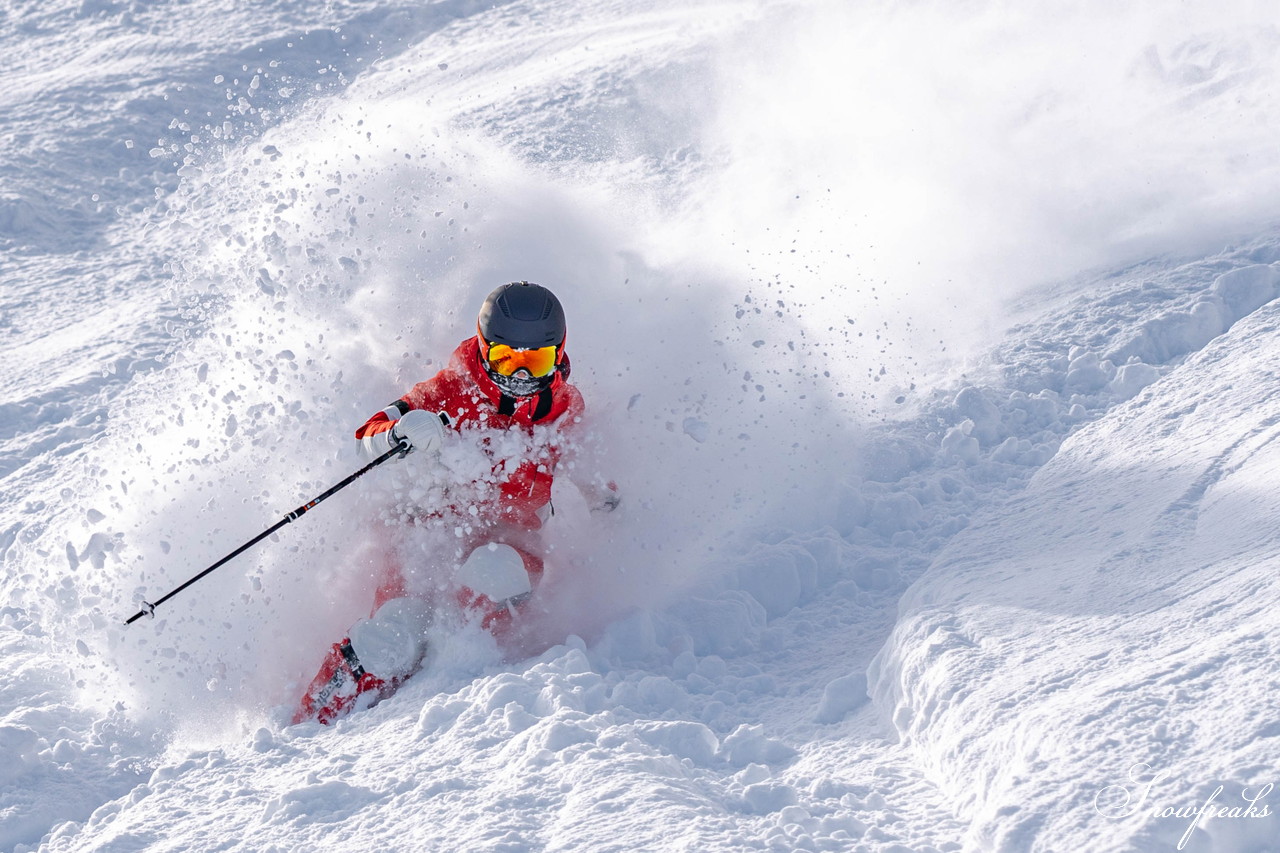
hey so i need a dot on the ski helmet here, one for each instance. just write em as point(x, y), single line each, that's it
point(522, 332)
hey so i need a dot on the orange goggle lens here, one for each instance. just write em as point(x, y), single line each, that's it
point(507, 360)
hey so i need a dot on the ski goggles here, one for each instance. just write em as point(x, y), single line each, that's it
point(505, 360)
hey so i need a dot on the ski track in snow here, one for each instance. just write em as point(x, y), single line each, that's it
point(822, 619)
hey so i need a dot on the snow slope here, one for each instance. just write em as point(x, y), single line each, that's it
point(1118, 612)
point(934, 536)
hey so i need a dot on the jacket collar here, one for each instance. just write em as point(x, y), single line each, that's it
point(469, 352)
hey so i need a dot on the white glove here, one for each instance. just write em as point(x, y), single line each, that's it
point(423, 430)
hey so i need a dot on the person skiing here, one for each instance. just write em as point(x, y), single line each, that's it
point(506, 390)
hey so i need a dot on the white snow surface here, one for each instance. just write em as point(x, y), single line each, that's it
point(931, 344)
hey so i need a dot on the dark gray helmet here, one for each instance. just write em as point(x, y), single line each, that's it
point(522, 315)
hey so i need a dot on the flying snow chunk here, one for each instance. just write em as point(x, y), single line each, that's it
point(696, 429)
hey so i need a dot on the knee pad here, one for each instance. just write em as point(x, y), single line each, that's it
point(391, 643)
point(495, 571)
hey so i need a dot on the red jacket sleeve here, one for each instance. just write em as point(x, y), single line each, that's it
point(376, 424)
point(433, 395)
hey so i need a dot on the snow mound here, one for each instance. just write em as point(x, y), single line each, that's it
point(1116, 613)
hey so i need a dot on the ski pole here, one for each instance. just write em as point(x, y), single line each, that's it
point(149, 609)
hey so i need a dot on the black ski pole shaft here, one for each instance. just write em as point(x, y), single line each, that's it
point(149, 608)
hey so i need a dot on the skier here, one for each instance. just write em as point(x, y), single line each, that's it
point(506, 390)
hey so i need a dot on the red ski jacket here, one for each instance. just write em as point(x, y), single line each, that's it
point(464, 392)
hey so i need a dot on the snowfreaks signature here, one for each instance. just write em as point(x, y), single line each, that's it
point(1117, 802)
